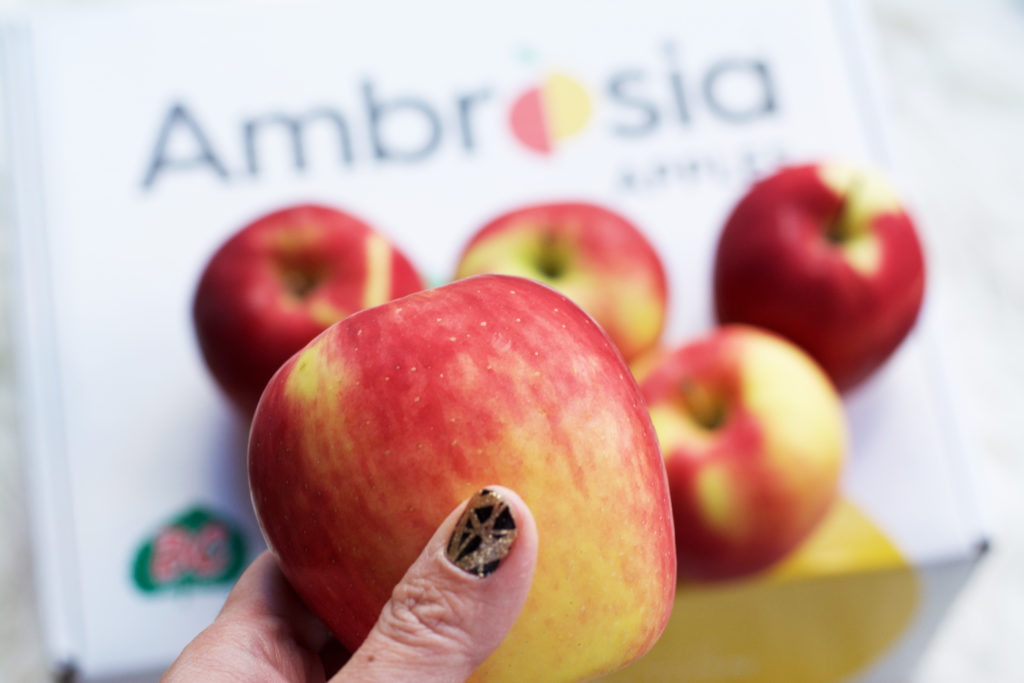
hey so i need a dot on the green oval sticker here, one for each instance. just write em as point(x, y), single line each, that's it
point(195, 549)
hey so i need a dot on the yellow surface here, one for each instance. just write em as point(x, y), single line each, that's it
point(867, 194)
point(307, 382)
point(324, 313)
point(828, 611)
point(717, 496)
point(566, 104)
point(804, 424)
point(378, 271)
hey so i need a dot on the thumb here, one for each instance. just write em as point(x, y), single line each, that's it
point(459, 599)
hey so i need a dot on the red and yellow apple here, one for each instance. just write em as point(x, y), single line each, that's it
point(365, 440)
point(753, 436)
point(281, 280)
point(826, 256)
point(594, 256)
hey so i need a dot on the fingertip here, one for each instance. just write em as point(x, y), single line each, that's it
point(494, 530)
point(460, 598)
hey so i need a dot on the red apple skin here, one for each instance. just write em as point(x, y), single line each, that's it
point(777, 268)
point(596, 257)
point(753, 436)
point(280, 281)
point(364, 441)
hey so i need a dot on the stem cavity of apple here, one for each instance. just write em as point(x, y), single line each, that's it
point(843, 227)
point(703, 404)
point(850, 230)
point(301, 282)
point(553, 257)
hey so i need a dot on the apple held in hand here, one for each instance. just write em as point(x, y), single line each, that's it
point(753, 436)
point(825, 256)
point(365, 440)
point(280, 281)
point(595, 257)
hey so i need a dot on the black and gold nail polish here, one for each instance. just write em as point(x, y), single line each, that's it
point(483, 535)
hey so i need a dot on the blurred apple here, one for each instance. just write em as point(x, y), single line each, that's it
point(280, 281)
point(594, 256)
point(826, 256)
point(753, 436)
point(365, 440)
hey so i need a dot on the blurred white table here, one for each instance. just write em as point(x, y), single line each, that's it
point(955, 91)
point(954, 75)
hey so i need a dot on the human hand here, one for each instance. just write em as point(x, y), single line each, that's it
point(452, 608)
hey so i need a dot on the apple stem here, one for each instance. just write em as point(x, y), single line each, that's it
point(838, 227)
point(552, 259)
point(707, 409)
point(299, 283)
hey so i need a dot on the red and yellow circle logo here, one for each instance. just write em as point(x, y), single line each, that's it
point(543, 116)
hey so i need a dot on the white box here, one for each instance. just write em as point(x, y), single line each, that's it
point(139, 138)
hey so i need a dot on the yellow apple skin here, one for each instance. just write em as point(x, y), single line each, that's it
point(594, 256)
point(365, 440)
point(753, 436)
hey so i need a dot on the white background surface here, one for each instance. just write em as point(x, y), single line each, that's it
point(955, 89)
